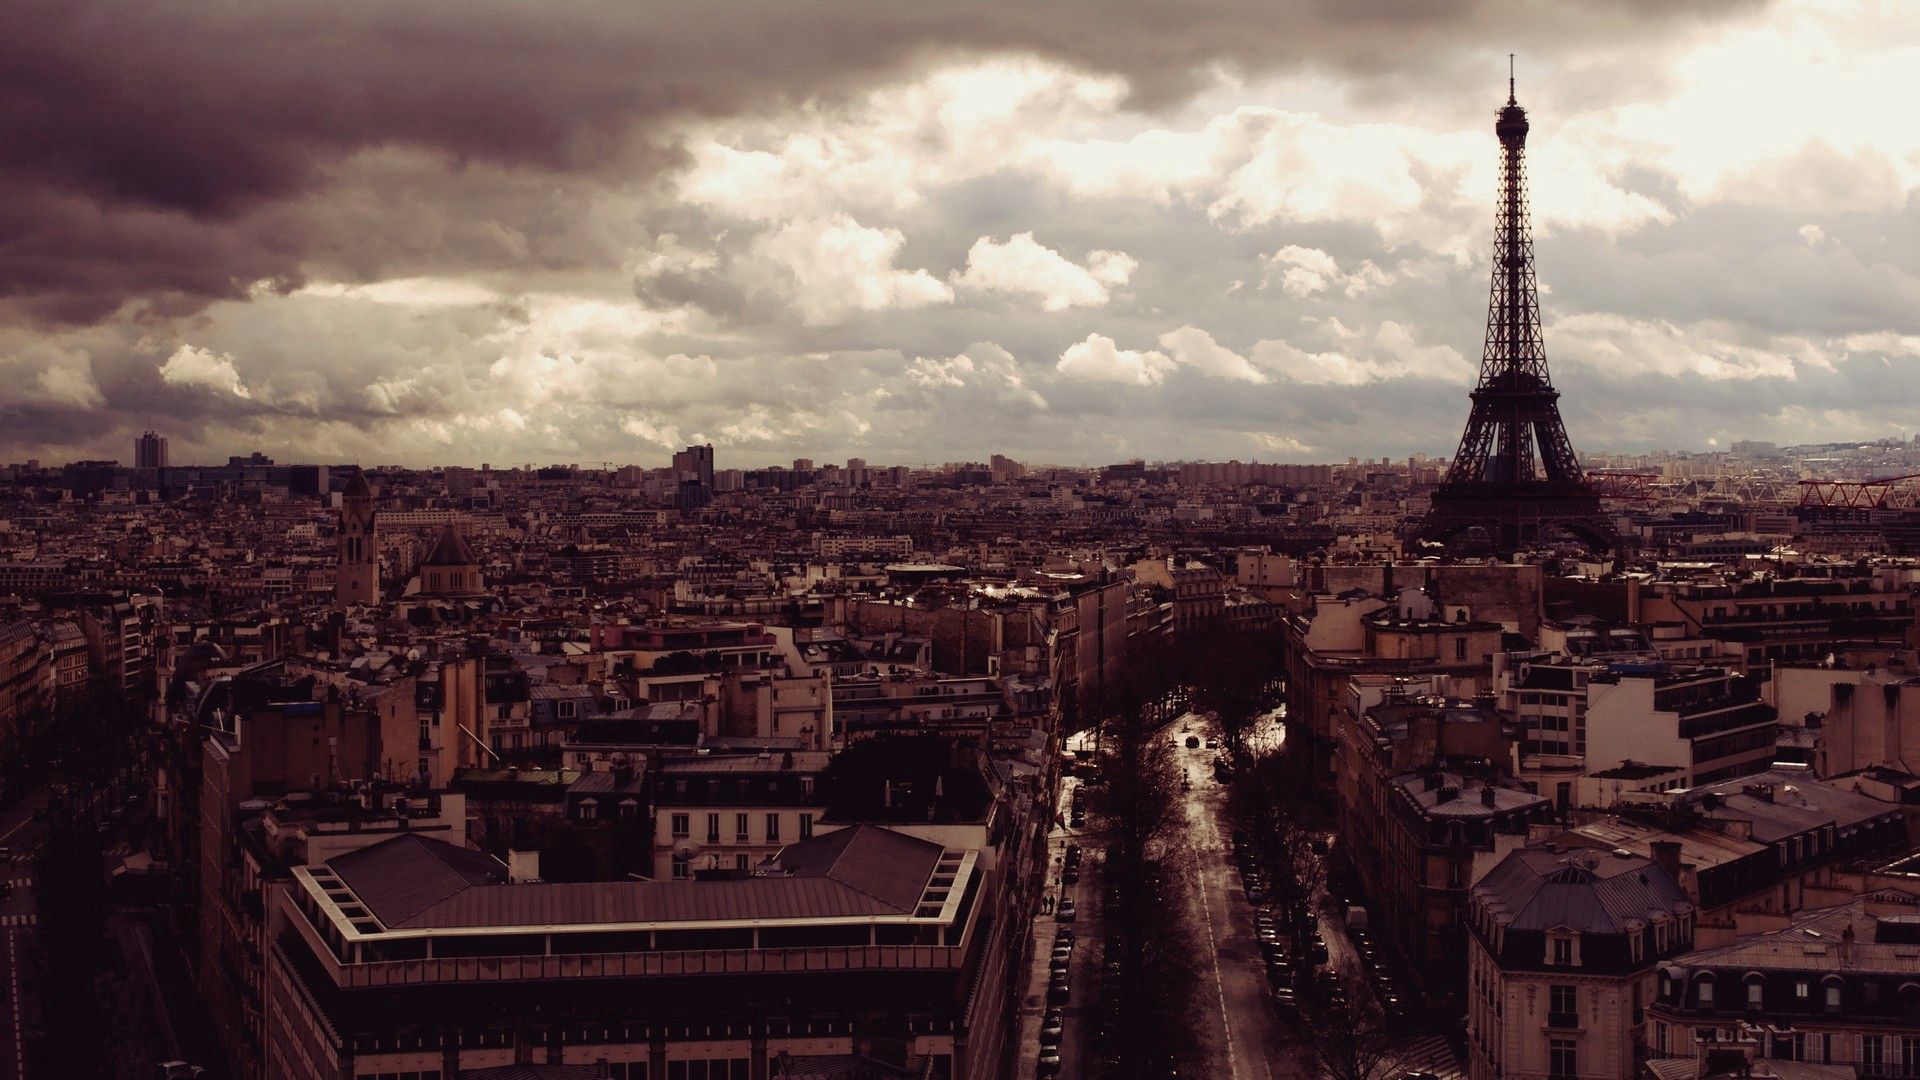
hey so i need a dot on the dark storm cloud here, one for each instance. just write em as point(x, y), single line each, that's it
point(134, 137)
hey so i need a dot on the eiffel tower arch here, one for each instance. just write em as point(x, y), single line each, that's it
point(1515, 480)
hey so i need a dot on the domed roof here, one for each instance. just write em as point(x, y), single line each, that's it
point(450, 550)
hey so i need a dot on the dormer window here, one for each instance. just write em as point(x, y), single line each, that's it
point(1563, 948)
point(1703, 990)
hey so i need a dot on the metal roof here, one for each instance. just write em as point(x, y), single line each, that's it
point(1591, 891)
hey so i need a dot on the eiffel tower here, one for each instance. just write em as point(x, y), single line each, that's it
point(1515, 480)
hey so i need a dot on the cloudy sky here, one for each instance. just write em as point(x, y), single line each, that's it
point(1076, 231)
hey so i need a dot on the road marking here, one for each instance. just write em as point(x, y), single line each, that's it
point(1213, 951)
point(13, 991)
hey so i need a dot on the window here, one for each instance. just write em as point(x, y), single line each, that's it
point(1833, 995)
point(713, 828)
point(1756, 993)
point(1873, 1054)
point(773, 828)
point(682, 826)
point(1561, 1061)
point(740, 861)
point(1563, 950)
point(627, 1070)
point(1459, 648)
point(1562, 1006)
point(680, 872)
point(806, 826)
point(740, 828)
point(1801, 991)
point(1703, 992)
point(565, 710)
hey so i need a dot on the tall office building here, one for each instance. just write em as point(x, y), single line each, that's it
point(696, 462)
point(150, 451)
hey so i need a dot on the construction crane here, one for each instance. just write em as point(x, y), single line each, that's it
point(1850, 494)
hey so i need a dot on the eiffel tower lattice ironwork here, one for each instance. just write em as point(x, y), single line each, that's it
point(1515, 480)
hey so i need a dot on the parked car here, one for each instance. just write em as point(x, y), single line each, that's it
point(1066, 912)
point(1048, 1063)
point(1052, 1027)
point(1213, 744)
point(1058, 991)
point(1285, 1002)
point(1071, 875)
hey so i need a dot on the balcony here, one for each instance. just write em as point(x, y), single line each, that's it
point(1563, 1021)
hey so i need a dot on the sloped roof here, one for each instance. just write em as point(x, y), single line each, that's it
point(413, 883)
point(398, 879)
point(356, 484)
point(888, 866)
point(449, 550)
point(1590, 891)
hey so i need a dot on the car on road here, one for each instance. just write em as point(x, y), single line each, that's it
point(1064, 934)
point(1285, 1002)
point(1048, 1064)
point(1052, 1027)
point(1066, 911)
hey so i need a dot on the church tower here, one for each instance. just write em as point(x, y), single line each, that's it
point(356, 579)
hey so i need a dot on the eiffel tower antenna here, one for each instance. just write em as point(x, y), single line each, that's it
point(1515, 480)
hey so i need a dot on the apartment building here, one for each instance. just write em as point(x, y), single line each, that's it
point(417, 956)
point(731, 812)
point(1840, 986)
point(1708, 722)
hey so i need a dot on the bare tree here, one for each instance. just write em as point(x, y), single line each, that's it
point(1350, 1044)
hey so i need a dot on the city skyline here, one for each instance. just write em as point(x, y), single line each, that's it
point(1206, 247)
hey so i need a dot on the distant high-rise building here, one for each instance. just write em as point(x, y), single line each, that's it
point(696, 462)
point(356, 577)
point(803, 464)
point(150, 451)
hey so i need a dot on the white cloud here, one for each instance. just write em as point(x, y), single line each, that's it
point(1195, 348)
point(1813, 234)
point(70, 384)
point(1023, 265)
point(830, 268)
point(410, 292)
point(1280, 444)
point(1355, 357)
point(1305, 271)
point(652, 429)
point(984, 367)
point(1622, 346)
point(191, 366)
point(1098, 359)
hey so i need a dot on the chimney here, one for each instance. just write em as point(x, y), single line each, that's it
point(522, 866)
point(1487, 797)
point(1666, 855)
